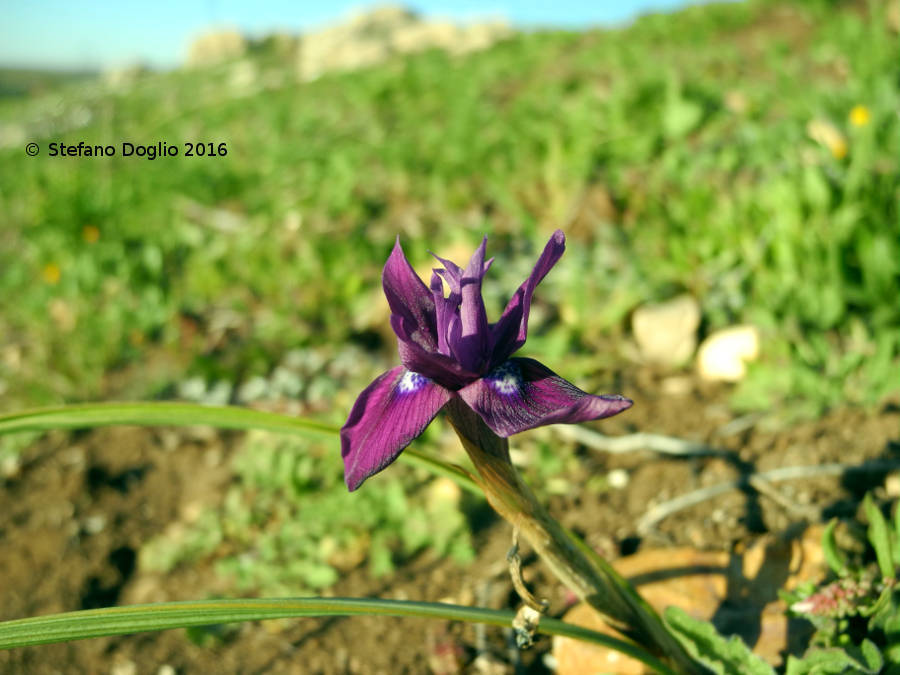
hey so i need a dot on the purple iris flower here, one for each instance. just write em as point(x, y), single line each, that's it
point(448, 349)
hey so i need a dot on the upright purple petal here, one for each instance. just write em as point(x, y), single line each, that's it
point(410, 301)
point(445, 310)
point(387, 416)
point(509, 333)
point(470, 345)
point(522, 394)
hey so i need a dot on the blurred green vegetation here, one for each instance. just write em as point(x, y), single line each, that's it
point(288, 526)
point(744, 152)
point(683, 153)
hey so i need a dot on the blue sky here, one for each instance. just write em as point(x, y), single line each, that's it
point(90, 33)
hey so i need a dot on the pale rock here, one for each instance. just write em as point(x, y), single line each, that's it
point(724, 354)
point(892, 485)
point(419, 36)
point(478, 36)
point(123, 667)
point(666, 332)
point(212, 48)
point(618, 478)
point(371, 37)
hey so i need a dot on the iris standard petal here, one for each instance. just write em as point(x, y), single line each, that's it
point(522, 394)
point(444, 310)
point(509, 333)
point(470, 344)
point(387, 416)
point(410, 300)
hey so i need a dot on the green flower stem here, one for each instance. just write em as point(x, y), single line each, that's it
point(598, 585)
point(94, 623)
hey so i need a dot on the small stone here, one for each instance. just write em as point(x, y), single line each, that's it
point(94, 524)
point(123, 668)
point(617, 478)
point(724, 354)
point(892, 485)
point(666, 332)
point(10, 466)
point(166, 669)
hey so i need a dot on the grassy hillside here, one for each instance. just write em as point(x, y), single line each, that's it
point(744, 152)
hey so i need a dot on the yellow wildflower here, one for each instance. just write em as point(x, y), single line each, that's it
point(51, 273)
point(90, 233)
point(859, 115)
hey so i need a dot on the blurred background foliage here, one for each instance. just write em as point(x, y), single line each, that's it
point(743, 152)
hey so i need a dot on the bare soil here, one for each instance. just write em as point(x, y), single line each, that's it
point(74, 517)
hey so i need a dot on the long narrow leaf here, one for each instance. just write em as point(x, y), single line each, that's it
point(879, 537)
point(158, 413)
point(163, 616)
point(166, 413)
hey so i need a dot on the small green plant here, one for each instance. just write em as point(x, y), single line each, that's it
point(856, 612)
point(291, 528)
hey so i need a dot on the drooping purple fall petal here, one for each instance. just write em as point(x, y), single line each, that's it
point(523, 394)
point(387, 416)
point(509, 333)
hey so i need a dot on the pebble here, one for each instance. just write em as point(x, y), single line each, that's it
point(124, 668)
point(618, 478)
point(10, 466)
point(892, 485)
point(724, 354)
point(94, 524)
point(666, 332)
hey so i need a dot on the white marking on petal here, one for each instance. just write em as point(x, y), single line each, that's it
point(411, 382)
point(506, 379)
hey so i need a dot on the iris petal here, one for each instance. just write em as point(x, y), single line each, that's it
point(470, 345)
point(523, 394)
point(410, 301)
point(436, 366)
point(445, 310)
point(509, 333)
point(387, 416)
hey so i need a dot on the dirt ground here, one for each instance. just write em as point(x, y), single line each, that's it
point(74, 517)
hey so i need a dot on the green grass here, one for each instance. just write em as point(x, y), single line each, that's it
point(689, 128)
